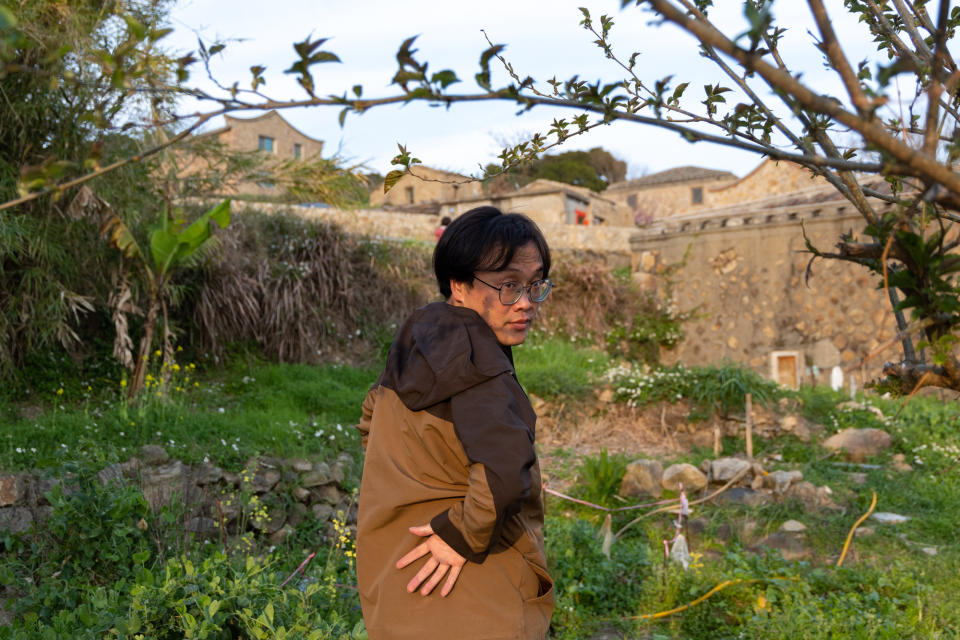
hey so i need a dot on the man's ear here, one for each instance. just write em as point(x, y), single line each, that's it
point(457, 292)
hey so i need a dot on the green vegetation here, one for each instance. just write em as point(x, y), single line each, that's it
point(551, 367)
point(92, 569)
point(708, 389)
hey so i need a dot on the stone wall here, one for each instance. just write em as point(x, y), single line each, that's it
point(767, 179)
point(614, 242)
point(745, 276)
point(209, 497)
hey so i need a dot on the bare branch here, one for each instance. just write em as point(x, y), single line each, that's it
point(915, 162)
point(831, 46)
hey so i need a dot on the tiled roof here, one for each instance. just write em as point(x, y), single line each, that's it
point(677, 174)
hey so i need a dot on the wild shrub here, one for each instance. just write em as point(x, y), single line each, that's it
point(708, 389)
point(595, 303)
point(304, 291)
point(94, 530)
point(600, 476)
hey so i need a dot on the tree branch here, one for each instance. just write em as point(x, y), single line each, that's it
point(834, 52)
point(916, 162)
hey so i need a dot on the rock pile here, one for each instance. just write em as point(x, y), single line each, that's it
point(282, 492)
point(752, 484)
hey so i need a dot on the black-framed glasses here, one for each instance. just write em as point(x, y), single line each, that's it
point(511, 292)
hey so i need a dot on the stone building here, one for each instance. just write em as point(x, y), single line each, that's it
point(744, 271)
point(548, 202)
point(688, 190)
point(667, 193)
point(426, 190)
point(270, 134)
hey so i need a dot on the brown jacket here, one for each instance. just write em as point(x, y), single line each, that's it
point(449, 439)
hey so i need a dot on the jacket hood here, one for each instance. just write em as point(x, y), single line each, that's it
point(440, 351)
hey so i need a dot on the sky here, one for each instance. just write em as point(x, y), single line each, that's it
point(544, 39)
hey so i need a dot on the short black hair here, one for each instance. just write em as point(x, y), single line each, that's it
point(484, 239)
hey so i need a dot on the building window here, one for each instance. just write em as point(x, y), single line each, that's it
point(410, 195)
point(632, 201)
point(297, 150)
point(696, 195)
point(456, 189)
point(265, 143)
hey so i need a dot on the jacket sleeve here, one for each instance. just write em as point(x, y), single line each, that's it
point(366, 415)
point(494, 422)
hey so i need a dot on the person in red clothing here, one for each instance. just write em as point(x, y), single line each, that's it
point(441, 227)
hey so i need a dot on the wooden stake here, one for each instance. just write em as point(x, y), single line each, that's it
point(749, 420)
point(716, 436)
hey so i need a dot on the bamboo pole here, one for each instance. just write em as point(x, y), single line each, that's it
point(749, 421)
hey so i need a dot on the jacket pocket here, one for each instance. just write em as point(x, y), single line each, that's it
point(538, 609)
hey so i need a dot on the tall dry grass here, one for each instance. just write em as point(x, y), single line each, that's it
point(305, 290)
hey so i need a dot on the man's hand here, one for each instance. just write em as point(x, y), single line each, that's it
point(442, 559)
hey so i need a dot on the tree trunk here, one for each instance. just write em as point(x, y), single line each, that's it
point(146, 341)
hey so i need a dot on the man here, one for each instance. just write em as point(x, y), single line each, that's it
point(451, 483)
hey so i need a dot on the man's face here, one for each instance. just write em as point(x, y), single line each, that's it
point(510, 323)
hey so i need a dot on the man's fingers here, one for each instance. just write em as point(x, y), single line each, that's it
point(434, 579)
point(422, 530)
point(418, 551)
point(422, 575)
point(451, 580)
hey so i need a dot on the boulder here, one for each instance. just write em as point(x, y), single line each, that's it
point(812, 497)
point(301, 465)
point(781, 480)
point(691, 477)
point(206, 473)
point(793, 526)
point(111, 475)
point(320, 475)
point(201, 525)
point(322, 511)
point(790, 545)
point(885, 517)
point(744, 496)
point(265, 480)
point(11, 490)
point(859, 444)
point(900, 463)
point(723, 470)
point(642, 478)
point(281, 534)
point(153, 455)
point(15, 519)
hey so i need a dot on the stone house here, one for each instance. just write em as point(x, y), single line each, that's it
point(424, 189)
point(688, 190)
point(548, 202)
point(270, 134)
point(667, 193)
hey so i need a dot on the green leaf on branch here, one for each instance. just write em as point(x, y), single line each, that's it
point(483, 77)
point(391, 179)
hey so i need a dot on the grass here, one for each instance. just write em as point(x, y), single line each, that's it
point(230, 415)
point(888, 587)
point(550, 367)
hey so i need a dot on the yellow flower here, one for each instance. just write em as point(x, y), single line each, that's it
point(60, 391)
point(159, 393)
point(179, 349)
point(123, 382)
point(132, 423)
point(196, 384)
point(158, 353)
point(176, 367)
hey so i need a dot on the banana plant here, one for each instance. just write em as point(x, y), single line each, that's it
point(173, 244)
